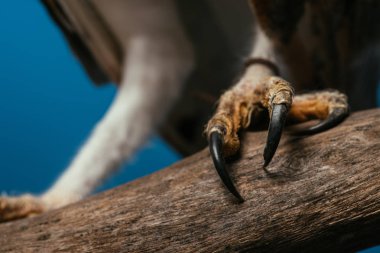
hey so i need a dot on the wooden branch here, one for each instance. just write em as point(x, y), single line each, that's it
point(321, 193)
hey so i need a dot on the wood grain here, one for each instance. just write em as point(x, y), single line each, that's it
point(320, 193)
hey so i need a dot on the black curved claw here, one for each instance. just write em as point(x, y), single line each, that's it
point(276, 125)
point(333, 119)
point(216, 150)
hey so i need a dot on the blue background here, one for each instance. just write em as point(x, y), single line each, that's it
point(48, 106)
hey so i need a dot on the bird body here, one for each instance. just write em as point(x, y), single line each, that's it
point(171, 60)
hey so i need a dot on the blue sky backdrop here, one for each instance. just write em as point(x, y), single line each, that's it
point(48, 106)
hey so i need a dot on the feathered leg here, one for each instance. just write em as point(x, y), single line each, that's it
point(154, 71)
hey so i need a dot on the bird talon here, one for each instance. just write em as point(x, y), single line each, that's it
point(276, 124)
point(216, 151)
point(334, 118)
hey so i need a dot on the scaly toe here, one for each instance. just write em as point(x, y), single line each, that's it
point(12, 208)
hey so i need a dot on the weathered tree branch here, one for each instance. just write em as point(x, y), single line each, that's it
point(320, 193)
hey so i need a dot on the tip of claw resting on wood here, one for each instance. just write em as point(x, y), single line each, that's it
point(334, 118)
point(216, 151)
point(277, 122)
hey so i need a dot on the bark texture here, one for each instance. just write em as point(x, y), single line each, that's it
point(320, 193)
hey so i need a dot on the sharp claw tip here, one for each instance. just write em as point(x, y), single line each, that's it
point(216, 145)
point(276, 125)
point(332, 120)
point(238, 197)
point(267, 157)
point(241, 200)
